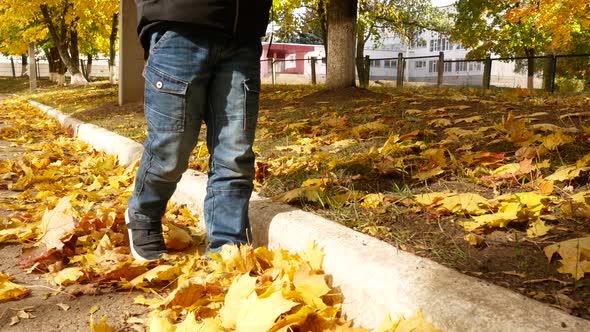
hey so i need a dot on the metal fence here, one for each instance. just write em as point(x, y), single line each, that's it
point(564, 73)
point(12, 67)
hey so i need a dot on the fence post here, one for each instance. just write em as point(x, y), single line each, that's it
point(441, 68)
point(487, 73)
point(367, 69)
point(12, 67)
point(400, 70)
point(272, 70)
point(552, 72)
point(83, 69)
point(313, 77)
point(32, 67)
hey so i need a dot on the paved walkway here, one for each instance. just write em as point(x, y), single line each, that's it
point(44, 299)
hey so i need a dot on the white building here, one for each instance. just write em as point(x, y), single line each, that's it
point(422, 57)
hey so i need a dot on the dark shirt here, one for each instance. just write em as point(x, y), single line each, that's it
point(236, 19)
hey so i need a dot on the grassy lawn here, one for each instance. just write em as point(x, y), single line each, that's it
point(478, 181)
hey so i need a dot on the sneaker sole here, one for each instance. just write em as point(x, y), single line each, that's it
point(134, 253)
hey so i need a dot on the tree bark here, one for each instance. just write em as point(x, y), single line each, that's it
point(530, 69)
point(32, 68)
point(23, 63)
point(341, 43)
point(112, 47)
point(61, 40)
point(88, 66)
point(362, 67)
point(51, 65)
point(323, 15)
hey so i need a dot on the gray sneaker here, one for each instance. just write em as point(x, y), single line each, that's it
point(145, 244)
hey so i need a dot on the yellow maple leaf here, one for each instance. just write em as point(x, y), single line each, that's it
point(142, 300)
point(575, 254)
point(425, 175)
point(372, 201)
point(391, 145)
point(387, 324)
point(375, 128)
point(240, 259)
point(309, 194)
point(515, 129)
point(190, 324)
point(566, 173)
point(18, 233)
point(161, 324)
point(432, 198)
point(538, 228)
point(551, 142)
point(473, 239)
point(69, 275)
point(260, 314)
point(314, 255)
point(160, 273)
point(11, 291)
point(241, 288)
point(500, 219)
point(177, 238)
point(466, 203)
point(416, 323)
point(101, 326)
point(185, 294)
point(469, 119)
point(311, 287)
point(56, 224)
point(440, 122)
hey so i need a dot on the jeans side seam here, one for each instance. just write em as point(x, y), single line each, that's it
point(147, 151)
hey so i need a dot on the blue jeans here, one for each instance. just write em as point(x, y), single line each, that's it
point(190, 79)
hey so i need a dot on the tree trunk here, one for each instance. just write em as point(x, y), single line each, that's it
point(23, 63)
point(54, 62)
point(88, 66)
point(50, 64)
point(112, 49)
point(60, 38)
point(341, 43)
point(362, 68)
point(32, 68)
point(323, 15)
point(530, 69)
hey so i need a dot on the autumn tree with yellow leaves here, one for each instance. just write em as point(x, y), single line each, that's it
point(66, 26)
point(520, 27)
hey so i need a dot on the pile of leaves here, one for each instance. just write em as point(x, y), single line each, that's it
point(460, 176)
point(402, 139)
point(67, 211)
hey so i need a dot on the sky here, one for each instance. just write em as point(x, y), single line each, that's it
point(441, 3)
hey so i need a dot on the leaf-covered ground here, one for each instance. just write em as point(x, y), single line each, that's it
point(493, 184)
point(64, 203)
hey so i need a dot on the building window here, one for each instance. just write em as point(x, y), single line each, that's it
point(290, 61)
point(432, 66)
point(461, 66)
point(420, 64)
point(475, 66)
point(448, 67)
point(376, 63)
point(389, 63)
point(444, 44)
point(434, 45)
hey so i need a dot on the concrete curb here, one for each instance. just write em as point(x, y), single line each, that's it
point(375, 277)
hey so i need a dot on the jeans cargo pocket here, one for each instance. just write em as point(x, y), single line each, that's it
point(251, 100)
point(165, 101)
